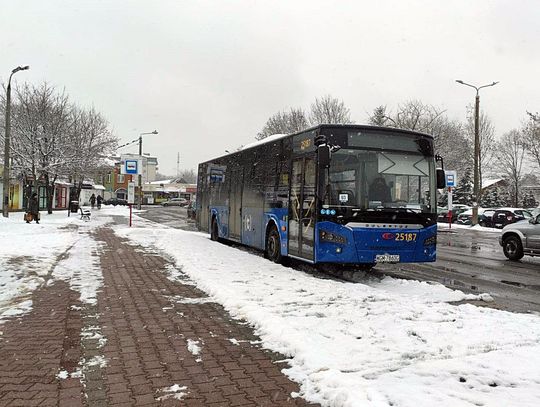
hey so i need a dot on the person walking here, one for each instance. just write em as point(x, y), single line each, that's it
point(93, 200)
point(99, 199)
point(33, 209)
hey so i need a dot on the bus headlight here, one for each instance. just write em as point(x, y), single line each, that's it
point(325, 236)
point(431, 241)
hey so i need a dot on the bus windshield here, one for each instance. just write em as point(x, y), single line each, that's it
point(377, 180)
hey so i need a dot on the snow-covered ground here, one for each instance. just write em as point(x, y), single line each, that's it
point(376, 343)
point(446, 226)
point(59, 247)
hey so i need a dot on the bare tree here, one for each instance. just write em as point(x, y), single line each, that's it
point(531, 134)
point(329, 110)
point(285, 122)
point(450, 141)
point(486, 138)
point(510, 154)
point(90, 142)
point(189, 176)
point(52, 138)
point(40, 125)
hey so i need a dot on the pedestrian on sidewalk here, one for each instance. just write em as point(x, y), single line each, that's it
point(93, 200)
point(33, 209)
point(99, 199)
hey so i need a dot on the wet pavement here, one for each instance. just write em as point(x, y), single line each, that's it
point(468, 260)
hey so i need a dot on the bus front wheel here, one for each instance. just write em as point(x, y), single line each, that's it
point(273, 246)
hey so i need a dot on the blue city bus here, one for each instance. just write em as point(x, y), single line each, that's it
point(347, 194)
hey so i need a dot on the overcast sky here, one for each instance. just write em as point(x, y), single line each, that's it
point(208, 74)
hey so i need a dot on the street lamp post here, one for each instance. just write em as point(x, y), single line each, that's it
point(140, 175)
point(5, 207)
point(477, 187)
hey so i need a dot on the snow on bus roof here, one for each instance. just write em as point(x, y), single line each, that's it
point(273, 137)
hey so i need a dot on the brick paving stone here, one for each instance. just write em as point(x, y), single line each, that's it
point(147, 334)
point(35, 346)
point(146, 351)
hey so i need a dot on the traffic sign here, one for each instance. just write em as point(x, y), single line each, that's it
point(451, 179)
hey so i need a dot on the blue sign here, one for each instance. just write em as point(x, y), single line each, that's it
point(451, 179)
point(132, 166)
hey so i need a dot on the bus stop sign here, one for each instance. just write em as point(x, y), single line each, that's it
point(451, 179)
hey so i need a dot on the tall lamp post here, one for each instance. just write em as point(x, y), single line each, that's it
point(5, 207)
point(140, 175)
point(477, 187)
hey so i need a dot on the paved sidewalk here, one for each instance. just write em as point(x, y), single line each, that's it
point(166, 344)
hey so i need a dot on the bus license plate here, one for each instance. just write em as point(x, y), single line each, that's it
point(387, 258)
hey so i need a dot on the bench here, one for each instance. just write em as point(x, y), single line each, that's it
point(85, 213)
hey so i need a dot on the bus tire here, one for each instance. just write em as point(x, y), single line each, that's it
point(273, 246)
point(214, 233)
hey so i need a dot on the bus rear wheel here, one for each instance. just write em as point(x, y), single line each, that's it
point(214, 233)
point(273, 246)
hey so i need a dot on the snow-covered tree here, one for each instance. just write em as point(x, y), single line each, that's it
point(450, 141)
point(531, 133)
point(463, 193)
point(329, 110)
point(493, 199)
point(39, 127)
point(378, 117)
point(90, 141)
point(285, 122)
point(51, 137)
point(510, 155)
point(529, 201)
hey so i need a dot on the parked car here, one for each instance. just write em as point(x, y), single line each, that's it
point(176, 202)
point(521, 238)
point(484, 217)
point(115, 201)
point(443, 216)
point(507, 216)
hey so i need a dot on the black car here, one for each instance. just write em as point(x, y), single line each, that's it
point(484, 217)
point(115, 201)
point(443, 216)
point(503, 217)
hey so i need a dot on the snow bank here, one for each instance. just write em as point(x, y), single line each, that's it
point(393, 342)
point(30, 253)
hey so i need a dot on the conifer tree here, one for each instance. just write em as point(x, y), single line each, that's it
point(463, 193)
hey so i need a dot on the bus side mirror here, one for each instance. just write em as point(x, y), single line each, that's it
point(441, 179)
point(323, 152)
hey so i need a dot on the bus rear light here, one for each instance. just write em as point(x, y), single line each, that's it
point(388, 236)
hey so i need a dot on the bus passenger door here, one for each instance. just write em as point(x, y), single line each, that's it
point(235, 205)
point(302, 208)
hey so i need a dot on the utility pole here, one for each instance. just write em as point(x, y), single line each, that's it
point(7, 141)
point(140, 169)
point(477, 187)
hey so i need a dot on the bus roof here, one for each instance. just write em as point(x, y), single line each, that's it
point(275, 137)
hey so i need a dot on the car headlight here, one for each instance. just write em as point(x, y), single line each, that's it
point(331, 237)
point(432, 240)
